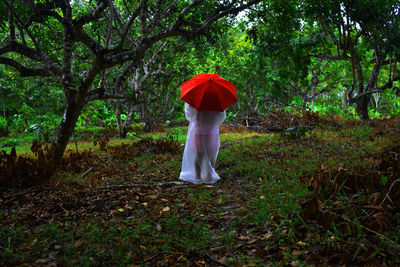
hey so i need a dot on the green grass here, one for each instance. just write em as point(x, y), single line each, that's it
point(255, 206)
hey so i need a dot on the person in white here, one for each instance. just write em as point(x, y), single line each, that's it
point(202, 145)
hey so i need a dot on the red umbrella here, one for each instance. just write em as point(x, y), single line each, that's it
point(208, 92)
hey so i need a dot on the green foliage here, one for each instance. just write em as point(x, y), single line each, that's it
point(18, 123)
point(384, 180)
point(21, 142)
point(362, 132)
point(3, 124)
point(12, 237)
point(374, 114)
point(97, 113)
point(176, 133)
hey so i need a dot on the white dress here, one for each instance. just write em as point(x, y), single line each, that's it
point(202, 145)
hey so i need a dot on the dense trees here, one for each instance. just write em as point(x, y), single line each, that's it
point(363, 35)
point(58, 56)
point(76, 42)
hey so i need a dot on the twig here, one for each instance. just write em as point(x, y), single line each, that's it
point(367, 229)
point(387, 194)
point(11, 198)
point(216, 261)
point(86, 172)
point(119, 186)
point(30, 190)
point(158, 254)
point(149, 258)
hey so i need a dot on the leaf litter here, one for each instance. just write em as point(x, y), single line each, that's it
point(350, 214)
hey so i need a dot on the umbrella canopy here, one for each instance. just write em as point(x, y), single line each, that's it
point(208, 92)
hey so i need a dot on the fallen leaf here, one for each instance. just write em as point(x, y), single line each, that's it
point(268, 236)
point(182, 258)
point(252, 252)
point(166, 209)
point(223, 259)
point(79, 243)
point(301, 243)
point(242, 237)
point(296, 253)
point(378, 208)
point(216, 248)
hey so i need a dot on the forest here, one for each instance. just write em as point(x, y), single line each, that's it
point(93, 130)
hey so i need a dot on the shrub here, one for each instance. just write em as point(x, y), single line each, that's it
point(3, 127)
point(17, 123)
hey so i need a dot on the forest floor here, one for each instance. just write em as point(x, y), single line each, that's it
point(322, 195)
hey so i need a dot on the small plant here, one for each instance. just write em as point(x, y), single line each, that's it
point(17, 123)
point(296, 133)
point(384, 180)
point(175, 133)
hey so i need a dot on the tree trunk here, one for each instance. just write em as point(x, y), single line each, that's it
point(362, 103)
point(117, 110)
point(75, 103)
point(344, 101)
point(123, 131)
point(377, 96)
point(4, 106)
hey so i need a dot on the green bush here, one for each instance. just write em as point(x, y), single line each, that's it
point(17, 123)
point(137, 126)
point(3, 126)
point(97, 113)
point(8, 142)
point(374, 114)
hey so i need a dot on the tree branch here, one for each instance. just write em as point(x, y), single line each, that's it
point(337, 57)
point(11, 21)
point(389, 84)
point(45, 9)
point(34, 55)
point(379, 89)
point(23, 71)
point(20, 23)
point(146, 41)
point(67, 80)
point(132, 18)
point(97, 93)
point(226, 11)
point(82, 36)
point(95, 14)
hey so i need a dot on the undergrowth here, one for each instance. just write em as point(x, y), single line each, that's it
point(328, 196)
